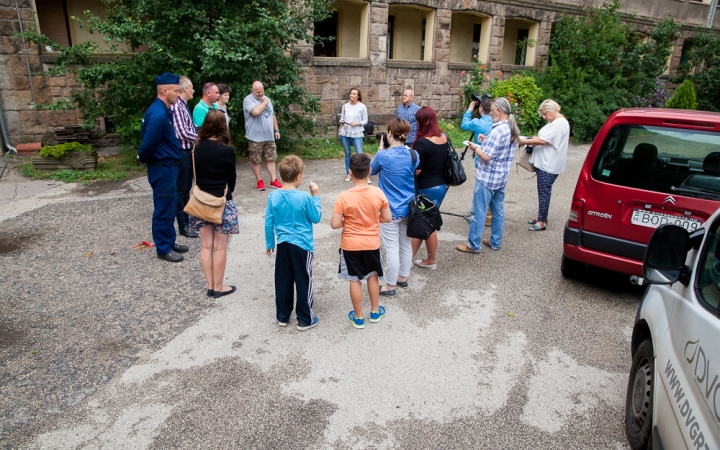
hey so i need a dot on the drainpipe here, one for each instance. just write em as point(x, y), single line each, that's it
point(27, 61)
point(4, 135)
point(711, 14)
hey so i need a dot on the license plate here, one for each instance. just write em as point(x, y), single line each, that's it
point(653, 220)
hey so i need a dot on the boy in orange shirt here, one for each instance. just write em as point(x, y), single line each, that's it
point(359, 212)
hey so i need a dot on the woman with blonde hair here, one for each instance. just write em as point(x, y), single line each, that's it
point(214, 161)
point(549, 157)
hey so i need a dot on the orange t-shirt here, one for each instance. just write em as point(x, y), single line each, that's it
point(360, 208)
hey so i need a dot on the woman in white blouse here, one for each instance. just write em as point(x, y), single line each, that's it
point(549, 157)
point(353, 118)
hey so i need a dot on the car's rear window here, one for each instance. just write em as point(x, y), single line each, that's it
point(663, 159)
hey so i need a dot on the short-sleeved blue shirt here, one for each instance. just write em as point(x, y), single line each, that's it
point(397, 177)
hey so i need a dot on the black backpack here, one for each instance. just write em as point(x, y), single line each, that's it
point(454, 173)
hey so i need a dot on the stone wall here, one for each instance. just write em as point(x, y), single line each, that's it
point(24, 122)
point(436, 83)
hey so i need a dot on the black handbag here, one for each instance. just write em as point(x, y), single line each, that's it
point(424, 214)
point(454, 171)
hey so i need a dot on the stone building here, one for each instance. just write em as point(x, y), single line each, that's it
point(380, 46)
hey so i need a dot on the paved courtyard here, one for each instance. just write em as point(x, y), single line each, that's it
point(105, 346)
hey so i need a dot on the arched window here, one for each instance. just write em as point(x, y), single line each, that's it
point(469, 37)
point(348, 26)
point(516, 50)
point(410, 33)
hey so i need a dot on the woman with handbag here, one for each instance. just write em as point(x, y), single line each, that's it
point(396, 167)
point(549, 157)
point(214, 165)
point(432, 146)
point(353, 118)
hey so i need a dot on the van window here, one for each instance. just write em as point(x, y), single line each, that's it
point(708, 287)
point(658, 158)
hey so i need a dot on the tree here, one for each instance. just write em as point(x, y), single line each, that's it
point(598, 64)
point(233, 42)
point(703, 68)
point(684, 97)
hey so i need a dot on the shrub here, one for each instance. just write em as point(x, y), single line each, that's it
point(684, 97)
point(703, 68)
point(525, 96)
point(233, 42)
point(59, 151)
point(598, 64)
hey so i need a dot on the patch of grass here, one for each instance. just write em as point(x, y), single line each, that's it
point(457, 135)
point(110, 168)
point(327, 147)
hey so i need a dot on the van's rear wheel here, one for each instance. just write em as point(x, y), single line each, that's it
point(639, 399)
point(570, 268)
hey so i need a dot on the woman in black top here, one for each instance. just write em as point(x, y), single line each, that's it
point(432, 146)
point(214, 162)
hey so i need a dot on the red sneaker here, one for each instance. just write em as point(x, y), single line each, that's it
point(276, 184)
point(261, 185)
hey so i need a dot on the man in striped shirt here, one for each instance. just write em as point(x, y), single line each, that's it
point(187, 135)
point(407, 112)
point(495, 160)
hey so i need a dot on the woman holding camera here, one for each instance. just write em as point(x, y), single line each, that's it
point(353, 118)
point(549, 156)
point(396, 180)
point(432, 146)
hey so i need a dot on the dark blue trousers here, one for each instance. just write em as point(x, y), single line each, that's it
point(163, 180)
point(293, 271)
point(545, 182)
point(184, 183)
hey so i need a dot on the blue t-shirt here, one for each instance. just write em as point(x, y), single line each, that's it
point(290, 215)
point(483, 125)
point(396, 179)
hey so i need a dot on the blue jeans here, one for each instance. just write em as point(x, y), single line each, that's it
point(357, 143)
point(482, 198)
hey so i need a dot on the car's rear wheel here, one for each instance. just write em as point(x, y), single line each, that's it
point(570, 268)
point(639, 399)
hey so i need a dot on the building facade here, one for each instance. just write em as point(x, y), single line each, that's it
point(379, 46)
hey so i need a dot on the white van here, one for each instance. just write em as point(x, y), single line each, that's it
point(673, 394)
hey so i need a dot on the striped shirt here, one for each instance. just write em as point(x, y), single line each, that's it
point(182, 123)
point(493, 174)
point(408, 113)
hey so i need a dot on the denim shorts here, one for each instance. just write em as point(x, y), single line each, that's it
point(435, 193)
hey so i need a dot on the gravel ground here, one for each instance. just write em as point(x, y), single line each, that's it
point(103, 346)
point(79, 304)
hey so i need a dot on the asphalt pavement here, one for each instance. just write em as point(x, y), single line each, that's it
point(105, 346)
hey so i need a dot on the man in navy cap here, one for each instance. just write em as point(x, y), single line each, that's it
point(160, 150)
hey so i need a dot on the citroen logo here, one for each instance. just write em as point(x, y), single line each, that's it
point(669, 199)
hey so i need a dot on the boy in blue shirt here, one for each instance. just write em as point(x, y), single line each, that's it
point(290, 215)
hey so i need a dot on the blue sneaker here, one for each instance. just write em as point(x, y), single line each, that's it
point(307, 327)
point(357, 323)
point(375, 316)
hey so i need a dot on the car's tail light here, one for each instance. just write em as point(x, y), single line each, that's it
point(576, 213)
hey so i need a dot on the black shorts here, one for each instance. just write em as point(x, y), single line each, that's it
point(356, 265)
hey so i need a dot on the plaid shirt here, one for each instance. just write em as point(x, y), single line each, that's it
point(408, 113)
point(493, 174)
point(182, 123)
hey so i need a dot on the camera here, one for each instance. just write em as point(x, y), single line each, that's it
point(477, 98)
point(382, 137)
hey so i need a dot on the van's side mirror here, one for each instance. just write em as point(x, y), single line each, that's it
point(665, 255)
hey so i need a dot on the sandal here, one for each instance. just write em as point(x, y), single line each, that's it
point(532, 222)
point(537, 228)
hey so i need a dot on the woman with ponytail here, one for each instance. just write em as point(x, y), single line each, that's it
point(495, 160)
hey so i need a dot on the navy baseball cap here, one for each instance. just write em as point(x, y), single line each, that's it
point(167, 78)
